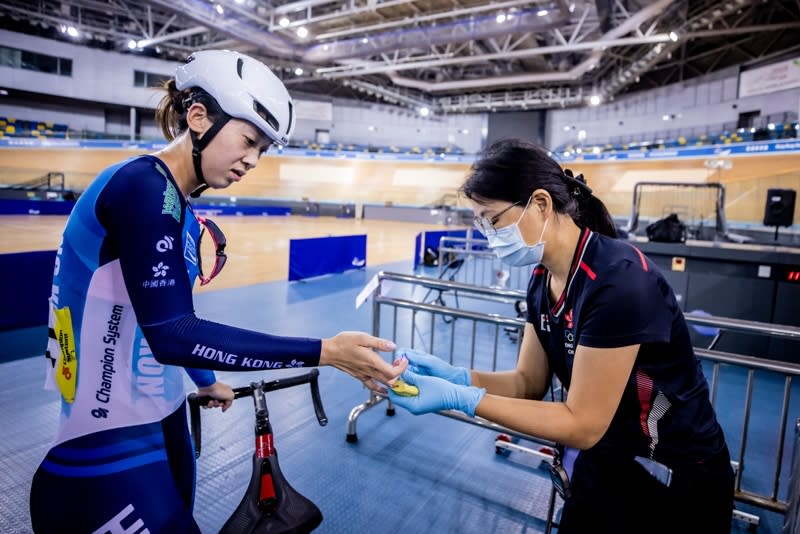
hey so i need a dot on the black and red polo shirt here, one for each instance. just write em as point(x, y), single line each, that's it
point(615, 297)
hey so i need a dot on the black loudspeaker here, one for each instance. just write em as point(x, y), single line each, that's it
point(779, 210)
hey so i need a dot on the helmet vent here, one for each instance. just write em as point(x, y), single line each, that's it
point(239, 65)
point(267, 116)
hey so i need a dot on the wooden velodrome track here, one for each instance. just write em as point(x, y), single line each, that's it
point(258, 246)
point(420, 183)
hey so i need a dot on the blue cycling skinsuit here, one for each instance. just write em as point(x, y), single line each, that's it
point(615, 297)
point(122, 332)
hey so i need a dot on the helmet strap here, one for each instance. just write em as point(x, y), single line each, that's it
point(198, 145)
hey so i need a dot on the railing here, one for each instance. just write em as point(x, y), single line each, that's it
point(770, 501)
point(479, 266)
point(52, 181)
point(792, 522)
point(460, 335)
point(464, 342)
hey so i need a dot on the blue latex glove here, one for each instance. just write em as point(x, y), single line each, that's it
point(426, 364)
point(436, 394)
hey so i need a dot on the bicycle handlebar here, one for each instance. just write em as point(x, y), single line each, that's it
point(195, 400)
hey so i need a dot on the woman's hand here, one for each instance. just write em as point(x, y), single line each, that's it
point(436, 394)
point(427, 364)
point(355, 354)
point(221, 395)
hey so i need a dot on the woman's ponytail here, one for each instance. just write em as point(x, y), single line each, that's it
point(593, 214)
point(170, 114)
point(590, 212)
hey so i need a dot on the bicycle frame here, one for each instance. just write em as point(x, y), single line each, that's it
point(270, 504)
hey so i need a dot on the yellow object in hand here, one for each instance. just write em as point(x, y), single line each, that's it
point(405, 390)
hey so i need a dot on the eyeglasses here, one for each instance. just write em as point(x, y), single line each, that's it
point(486, 226)
point(218, 238)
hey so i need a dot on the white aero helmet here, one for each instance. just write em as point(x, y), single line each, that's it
point(244, 88)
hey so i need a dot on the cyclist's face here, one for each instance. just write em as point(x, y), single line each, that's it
point(232, 153)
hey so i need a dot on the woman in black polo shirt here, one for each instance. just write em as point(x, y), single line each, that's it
point(602, 319)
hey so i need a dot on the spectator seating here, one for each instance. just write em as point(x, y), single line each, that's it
point(11, 127)
point(788, 130)
point(430, 151)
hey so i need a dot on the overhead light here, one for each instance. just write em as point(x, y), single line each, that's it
point(131, 44)
point(302, 32)
point(673, 36)
point(423, 111)
point(665, 117)
point(298, 71)
point(501, 18)
point(219, 8)
point(239, 1)
point(541, 13)
point(364, 40)
point(284, 22)
point(72, 31)
point(3, 92)
point(595, 100)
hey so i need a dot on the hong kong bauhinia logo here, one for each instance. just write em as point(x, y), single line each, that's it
point(160, 270)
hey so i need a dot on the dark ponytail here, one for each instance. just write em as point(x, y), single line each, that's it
point(512, 169)
point(171, 110)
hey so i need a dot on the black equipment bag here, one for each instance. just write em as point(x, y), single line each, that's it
point(667, 230)
point(293, 513)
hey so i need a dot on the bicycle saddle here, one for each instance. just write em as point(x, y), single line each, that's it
point(291, 513)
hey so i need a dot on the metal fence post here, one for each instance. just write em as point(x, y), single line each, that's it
point(791, 524)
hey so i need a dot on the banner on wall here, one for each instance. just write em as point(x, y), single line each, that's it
point(314, 110)
point(776, 77)
point(318, 256)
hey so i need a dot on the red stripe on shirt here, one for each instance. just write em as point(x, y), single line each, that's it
point(558, 307)
point(641, 257)
point(588, 270)
point(644, 388)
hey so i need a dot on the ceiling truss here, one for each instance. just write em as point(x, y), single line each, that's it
point(452, 56)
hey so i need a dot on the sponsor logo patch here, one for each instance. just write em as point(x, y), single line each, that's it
point(172, 202)
point(165, 243)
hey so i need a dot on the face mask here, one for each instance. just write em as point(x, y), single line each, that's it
point(507, 243)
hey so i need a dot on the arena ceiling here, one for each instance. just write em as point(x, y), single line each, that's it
point(447, 55)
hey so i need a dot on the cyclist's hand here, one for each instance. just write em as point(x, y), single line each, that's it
point(355, 354)
point(221, 395)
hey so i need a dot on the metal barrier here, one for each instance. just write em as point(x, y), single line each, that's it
point(470, 261)
point(474, 339)
point(471, 338)
point(792, 523)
